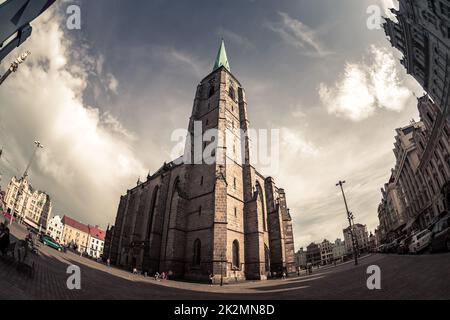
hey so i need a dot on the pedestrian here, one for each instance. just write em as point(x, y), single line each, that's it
point(211, 279)
point(157, 276)
point(108, 262)
point(170, 275)
point(284, 275)
point(135, 270)
point(4, 241)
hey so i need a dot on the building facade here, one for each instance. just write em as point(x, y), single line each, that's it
point(196, 217)
point(33, 207)
point(313, 255)
point(300, 258)
point(361, 236)
point(422, 34)
point(75, 234)
point(55, 228)
point(326, 252)
point(339, 250)
point(96, 242)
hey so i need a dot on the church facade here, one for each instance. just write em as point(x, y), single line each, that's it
point(199, 219)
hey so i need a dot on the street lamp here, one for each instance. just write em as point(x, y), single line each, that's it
point(38, 146)
point(15, 65)
point(350, 219)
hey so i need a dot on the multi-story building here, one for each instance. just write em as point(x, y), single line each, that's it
point(313, 255)
point(418, 191)
point(213, 214)
point(326, 252)
point(55, 228)
point(300, 258)
point(339, 250)
point(33, 207)
point(96, 242)
point(362, 238)
point(433, 147)
point(75, 234)
point(422, 34)
point(373, 244)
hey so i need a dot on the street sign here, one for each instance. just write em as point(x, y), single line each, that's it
point(15, 18)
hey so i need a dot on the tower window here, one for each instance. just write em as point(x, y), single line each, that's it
point(201, 181)
point(234, 183)
point(197, 253)
point(236, 258)
point(235, 211)
point(231, 93)
point(200, 211)
point(211, 92)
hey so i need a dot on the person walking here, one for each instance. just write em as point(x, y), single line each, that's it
point(211, 279)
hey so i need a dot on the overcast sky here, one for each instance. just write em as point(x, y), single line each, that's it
point(104, 100)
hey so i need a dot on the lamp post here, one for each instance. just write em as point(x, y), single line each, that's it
point(38, 146)
point(350, 219)
point(15, 65)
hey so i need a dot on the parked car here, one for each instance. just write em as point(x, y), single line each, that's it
point(52, 243)
point(392, 247)
point(440, 235)
point(381, 248)
point(420, 241)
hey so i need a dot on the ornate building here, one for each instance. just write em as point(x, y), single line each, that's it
point(221, 217)
point(420, 184)
point(34, 207)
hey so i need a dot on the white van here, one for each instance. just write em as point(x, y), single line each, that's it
point(420, 241)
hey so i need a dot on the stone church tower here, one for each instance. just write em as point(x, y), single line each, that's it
point(196, 217)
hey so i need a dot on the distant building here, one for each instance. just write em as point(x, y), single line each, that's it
point(75, 234)
point(361, 235)
point(372, 243)
point(339, 250)
point(34, 207)
point(300, 258)
point(55, 228)
point(326, 252)
point(313, 254)
point(96, 242)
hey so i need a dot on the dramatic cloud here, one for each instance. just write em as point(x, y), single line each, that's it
point(296, 33)
point(366, 86)
point(88, 160)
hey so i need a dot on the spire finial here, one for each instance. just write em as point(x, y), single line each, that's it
point(222, 60)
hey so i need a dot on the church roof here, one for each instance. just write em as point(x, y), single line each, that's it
point(222, 60)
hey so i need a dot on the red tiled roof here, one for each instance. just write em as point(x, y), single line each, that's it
point(75, 224)
point(97, 233)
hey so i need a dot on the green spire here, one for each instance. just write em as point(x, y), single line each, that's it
point(222, 59)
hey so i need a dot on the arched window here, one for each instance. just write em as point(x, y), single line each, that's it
point(236, 260)
point(261, 199)
point(152, 212)
point(267, 258)
point(231, 93)
point(197, 252)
